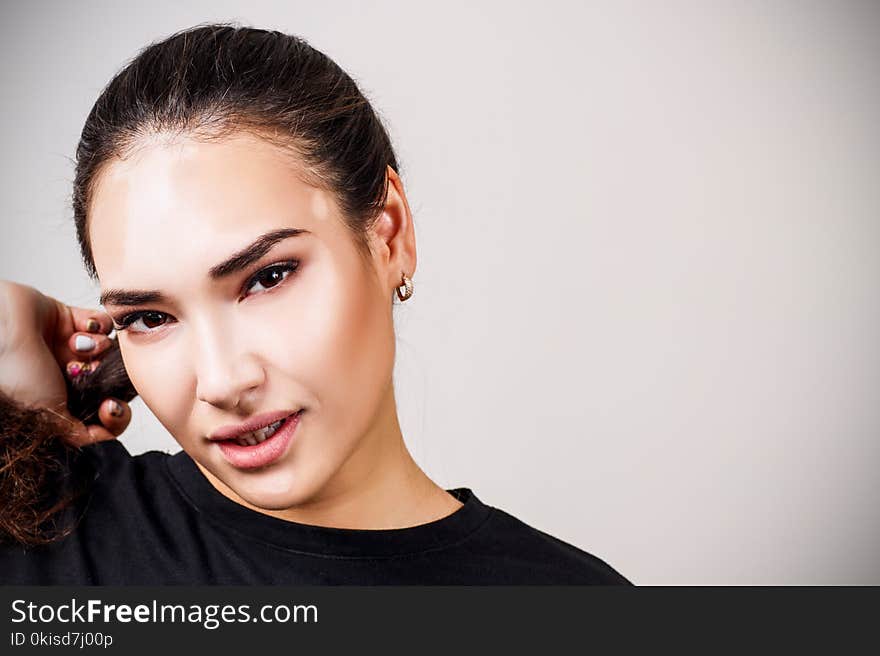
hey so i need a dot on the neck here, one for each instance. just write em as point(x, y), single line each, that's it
point(380, 486)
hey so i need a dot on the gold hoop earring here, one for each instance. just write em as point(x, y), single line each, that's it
point(408, 284)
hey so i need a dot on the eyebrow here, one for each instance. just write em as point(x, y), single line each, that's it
point(233, 264)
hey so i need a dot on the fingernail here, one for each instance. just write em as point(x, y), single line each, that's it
point(116, 409)
point(83, 343)
point(74, 369)
point(93, 326)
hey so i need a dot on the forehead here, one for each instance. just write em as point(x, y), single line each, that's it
point(187, 200)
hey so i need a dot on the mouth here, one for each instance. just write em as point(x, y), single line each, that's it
point(257, 427)
point(260, 447)
point(260, 435)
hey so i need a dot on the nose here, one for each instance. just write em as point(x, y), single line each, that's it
point(226, 371)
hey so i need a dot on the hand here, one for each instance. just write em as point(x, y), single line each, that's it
point(37, 343)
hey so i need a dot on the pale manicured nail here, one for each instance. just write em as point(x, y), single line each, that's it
point(83, 343)
point(116, 409)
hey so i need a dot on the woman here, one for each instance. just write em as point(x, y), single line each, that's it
point(238, 201)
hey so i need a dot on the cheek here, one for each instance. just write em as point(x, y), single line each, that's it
point(160, 385)
point(341, 346)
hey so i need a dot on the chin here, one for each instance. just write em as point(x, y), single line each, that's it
point(274, 490)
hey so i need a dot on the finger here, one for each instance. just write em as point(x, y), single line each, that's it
point(76, 321)
point(76, 368)
point(85, 345)
point(115, 416)
point(89, 320)
point(78, 434)
point(99, 434)
point(111, 425)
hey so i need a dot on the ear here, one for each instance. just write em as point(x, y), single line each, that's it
point(394, 236)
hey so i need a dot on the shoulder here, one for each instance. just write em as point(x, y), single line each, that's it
point(541, 557)
point(116, 470)
point(112, 457)
point(132, 496)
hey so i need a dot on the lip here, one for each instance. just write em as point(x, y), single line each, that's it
point(265, 452)
point(253, 423)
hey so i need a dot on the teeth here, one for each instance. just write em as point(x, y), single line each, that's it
point(255, 437)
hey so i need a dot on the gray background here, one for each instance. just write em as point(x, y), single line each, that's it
point(646, 307)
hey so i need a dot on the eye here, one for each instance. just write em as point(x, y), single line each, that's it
point(272, 275)
point(269, 278)
point(130, 319)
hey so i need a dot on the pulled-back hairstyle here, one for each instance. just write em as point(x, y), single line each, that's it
point(211, 80)
point(205, 83)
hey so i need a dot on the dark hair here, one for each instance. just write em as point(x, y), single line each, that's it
point(206, 82)
point(34, 462)
point(41, 471)
point(211, 80)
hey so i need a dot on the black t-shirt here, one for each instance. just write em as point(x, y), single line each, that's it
point(154, 519)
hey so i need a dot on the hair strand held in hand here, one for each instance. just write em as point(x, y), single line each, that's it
point(38, 477)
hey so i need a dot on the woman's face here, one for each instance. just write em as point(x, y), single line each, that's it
point(215, 347)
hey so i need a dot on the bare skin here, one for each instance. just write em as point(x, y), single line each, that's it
point(216, 351)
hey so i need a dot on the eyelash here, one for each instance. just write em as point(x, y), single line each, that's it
point(284, 267)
